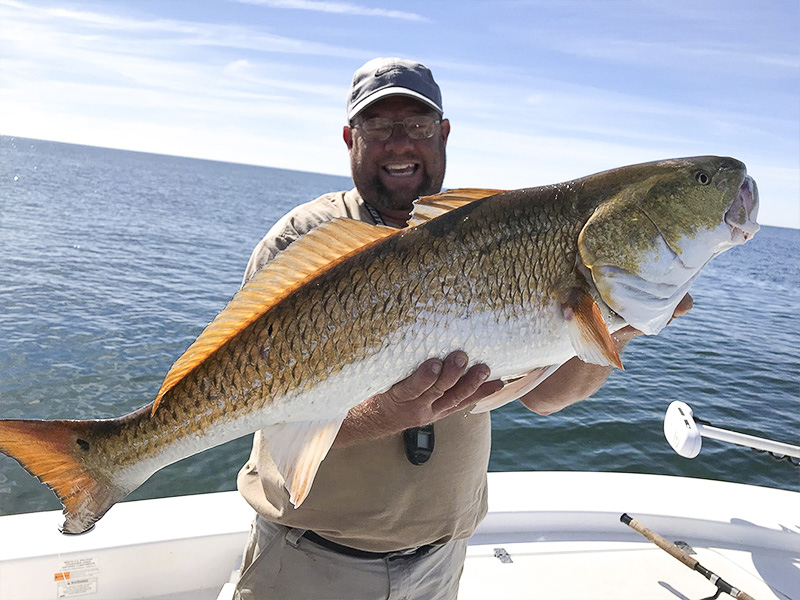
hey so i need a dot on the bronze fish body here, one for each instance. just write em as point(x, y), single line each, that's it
point(521, 280)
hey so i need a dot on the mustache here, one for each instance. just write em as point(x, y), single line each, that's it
point(396, 158)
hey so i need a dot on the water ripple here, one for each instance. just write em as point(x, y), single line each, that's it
point(112, 262)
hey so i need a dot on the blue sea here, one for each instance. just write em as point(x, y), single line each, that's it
point(112, 262)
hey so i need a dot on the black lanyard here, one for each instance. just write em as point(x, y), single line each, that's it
point(376, 216)
point(418, 441)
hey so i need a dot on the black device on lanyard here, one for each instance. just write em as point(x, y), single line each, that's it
point(418, 441)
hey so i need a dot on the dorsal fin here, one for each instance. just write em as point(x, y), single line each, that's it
point(318, 250)
point(430, 207)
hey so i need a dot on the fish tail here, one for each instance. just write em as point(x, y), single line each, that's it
point(60, 455)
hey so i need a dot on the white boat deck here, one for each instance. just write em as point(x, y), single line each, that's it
point(560, 530)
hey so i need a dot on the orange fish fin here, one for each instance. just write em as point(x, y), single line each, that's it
point(589, 333)
point(514, 389)
point(430, 207)
point(59, 454)
point(297, 449)
point(310, 255)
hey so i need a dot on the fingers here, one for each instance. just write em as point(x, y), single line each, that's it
point(684, 306)
point(628, 332)
point(452, 403)
point(453, 369)
point(440, 387)
point(460, 391)
point(433, 378)
point(416, 384)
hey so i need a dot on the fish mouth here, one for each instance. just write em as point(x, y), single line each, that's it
point(741, 214)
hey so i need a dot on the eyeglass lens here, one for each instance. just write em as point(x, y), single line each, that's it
point(417, 128)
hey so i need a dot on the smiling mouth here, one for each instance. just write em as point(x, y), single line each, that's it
point(404, 169)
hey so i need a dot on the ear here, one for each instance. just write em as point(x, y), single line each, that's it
point(347, 135)
point(445, 129)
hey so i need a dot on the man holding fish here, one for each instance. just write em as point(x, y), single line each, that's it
point(404, 483)
point(366, 487)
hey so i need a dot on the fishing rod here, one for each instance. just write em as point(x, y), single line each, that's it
point(684, 433)
point(671, 549)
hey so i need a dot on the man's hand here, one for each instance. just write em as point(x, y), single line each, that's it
point(576, 380)
point(435, 390)
point(684, 306)
point(627, 333)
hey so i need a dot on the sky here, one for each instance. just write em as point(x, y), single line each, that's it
point(537, 91)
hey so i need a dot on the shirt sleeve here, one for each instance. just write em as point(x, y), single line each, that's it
point(278, 238)
point(299, 221)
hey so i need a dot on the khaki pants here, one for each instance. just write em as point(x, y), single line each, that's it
point(279, 564)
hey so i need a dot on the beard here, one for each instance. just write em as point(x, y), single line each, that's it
point(401, 200)
point(376, 193)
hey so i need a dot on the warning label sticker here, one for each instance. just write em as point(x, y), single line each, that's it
point(77, 577)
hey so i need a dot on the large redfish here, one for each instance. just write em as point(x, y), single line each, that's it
point(521, 280)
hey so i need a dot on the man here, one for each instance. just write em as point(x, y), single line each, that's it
point(381, 521)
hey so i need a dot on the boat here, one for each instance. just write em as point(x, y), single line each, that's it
point(547, 535)
point(554, 535)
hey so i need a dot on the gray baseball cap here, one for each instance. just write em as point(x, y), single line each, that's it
point(382, 77)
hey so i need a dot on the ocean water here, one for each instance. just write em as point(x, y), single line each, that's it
point(112, 262)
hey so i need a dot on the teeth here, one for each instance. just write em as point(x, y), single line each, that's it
point(400, 168)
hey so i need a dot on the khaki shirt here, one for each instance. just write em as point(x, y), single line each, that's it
point(369, 496)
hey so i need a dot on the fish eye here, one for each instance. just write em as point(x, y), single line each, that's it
point(702, 178)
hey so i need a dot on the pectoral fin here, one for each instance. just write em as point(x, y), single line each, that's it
point(514, 389)
point(297, 449)
point(589, 333)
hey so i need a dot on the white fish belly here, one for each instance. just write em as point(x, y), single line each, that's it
point(509, 345)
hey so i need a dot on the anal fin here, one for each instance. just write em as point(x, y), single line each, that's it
point(514, 389)
point(298, 448)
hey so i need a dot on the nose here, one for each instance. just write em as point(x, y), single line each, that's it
point(399, 139)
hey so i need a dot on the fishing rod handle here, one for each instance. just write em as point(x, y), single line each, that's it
point(682, 556)
point(659, 541)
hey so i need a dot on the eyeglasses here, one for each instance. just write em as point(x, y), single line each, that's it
point(380, 129)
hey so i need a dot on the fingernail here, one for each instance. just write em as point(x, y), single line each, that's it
point(460, 361)
point(483, 375)
point(436, 367)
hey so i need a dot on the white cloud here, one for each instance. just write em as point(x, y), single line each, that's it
point(96, 32)
point(232, 90)
point(337, 8)
point(674, 53)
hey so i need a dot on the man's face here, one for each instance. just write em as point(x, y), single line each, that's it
point(392, 174)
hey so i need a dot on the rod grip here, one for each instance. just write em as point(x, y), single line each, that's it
point(675, 552)
point(659, 541)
